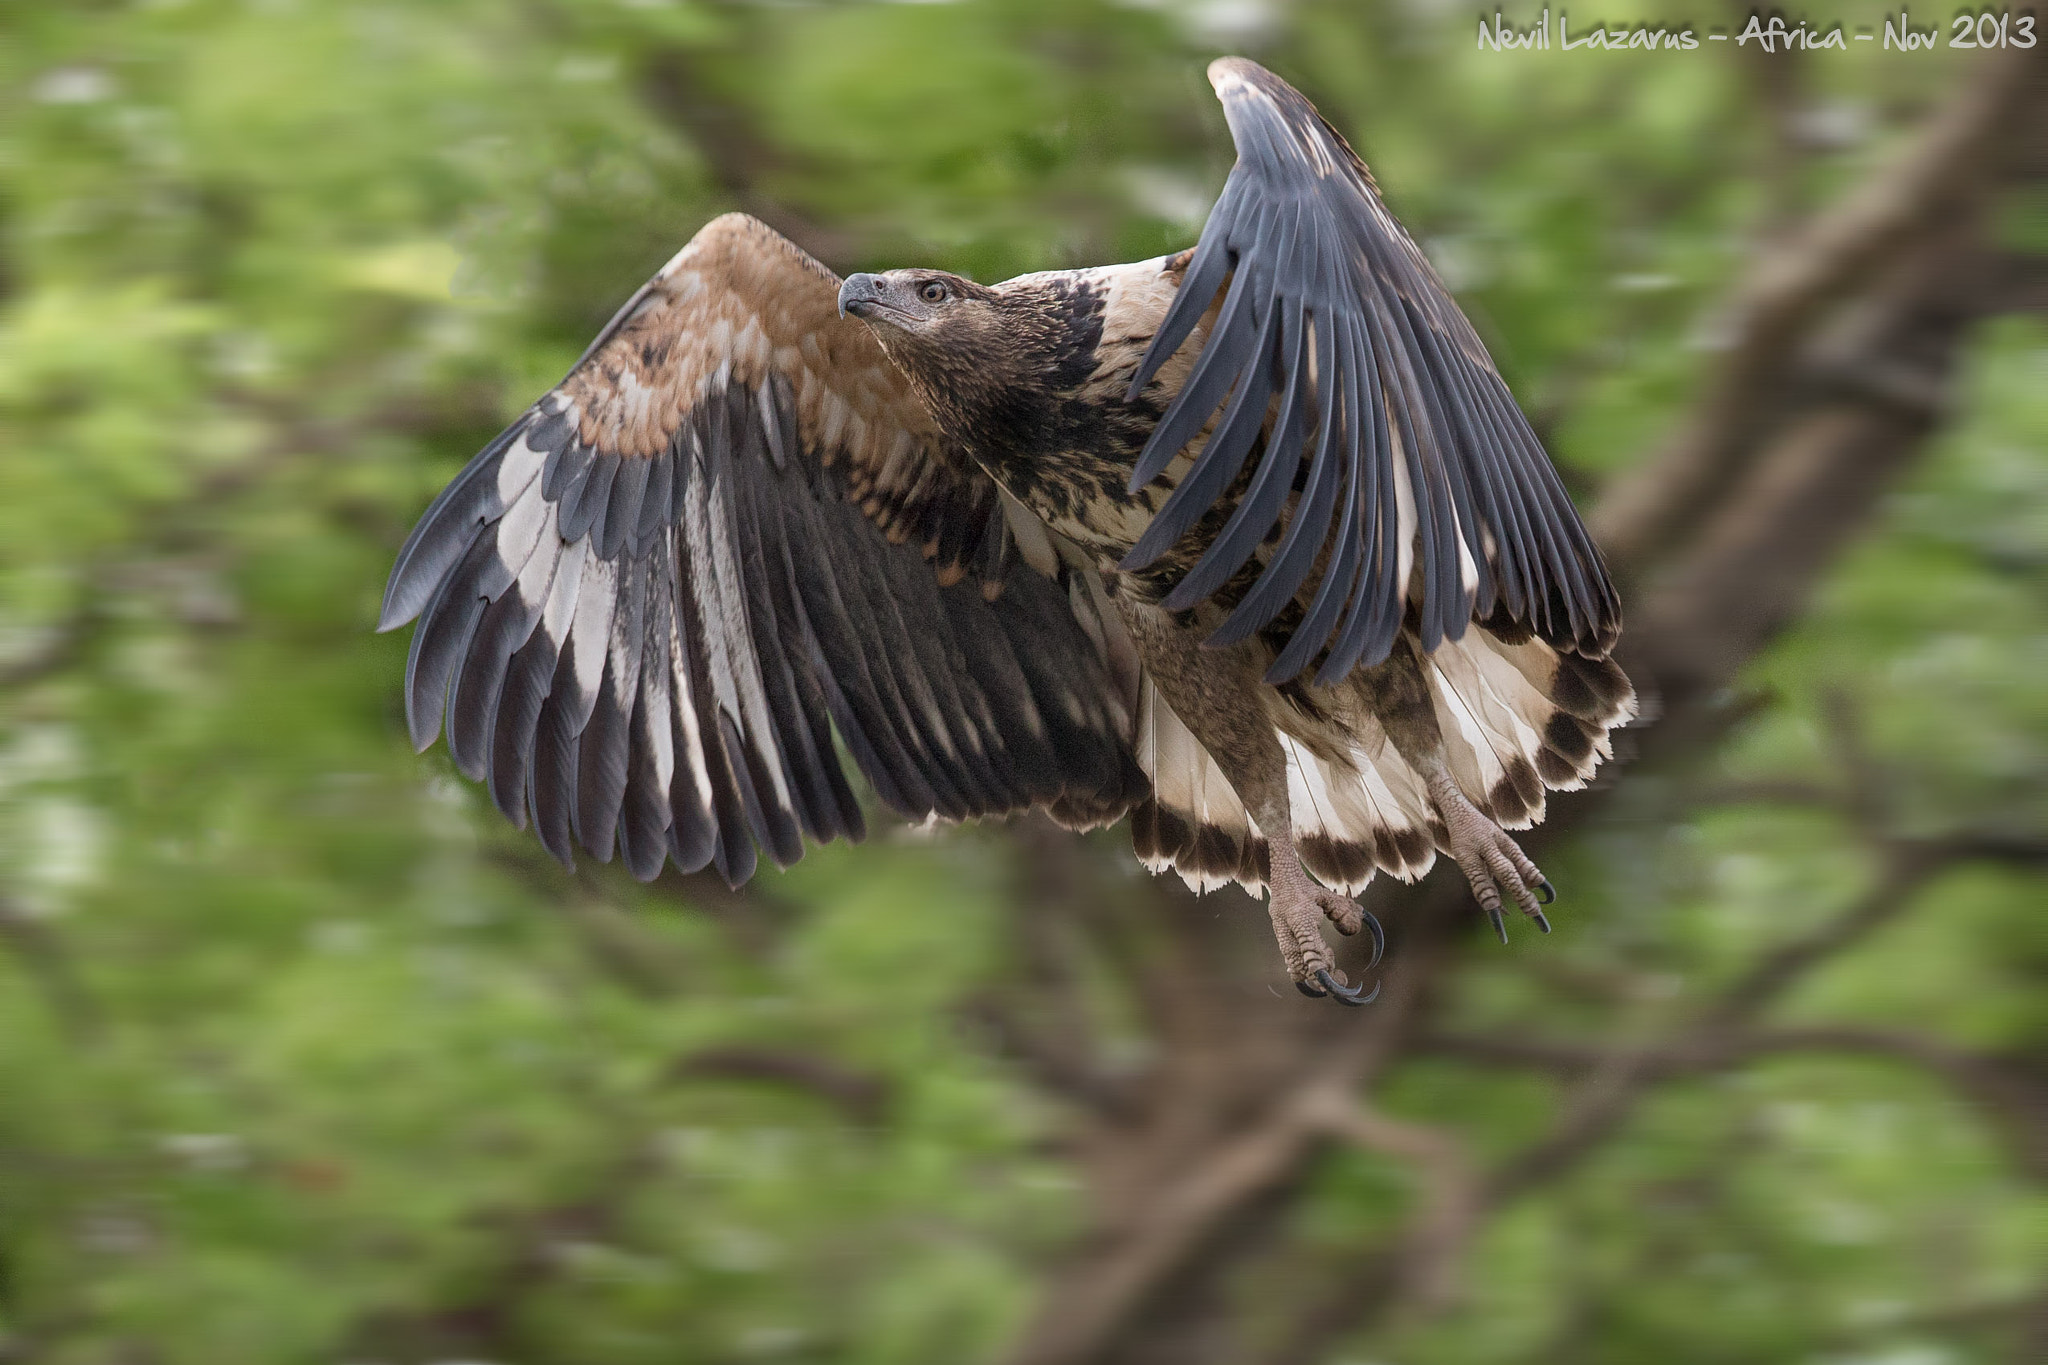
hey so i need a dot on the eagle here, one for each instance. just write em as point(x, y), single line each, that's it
point(1249, 544)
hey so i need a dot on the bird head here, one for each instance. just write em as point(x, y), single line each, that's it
point(917, 307)
point(982, 358)
point(947, 333)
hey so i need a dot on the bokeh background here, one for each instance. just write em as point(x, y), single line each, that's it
point(305, 1056)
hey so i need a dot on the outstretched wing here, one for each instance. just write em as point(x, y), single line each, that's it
point(646, 605)
point(1423, 482)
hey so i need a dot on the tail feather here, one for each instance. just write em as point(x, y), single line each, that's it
point(1194, 821)
point(1363, 812)
point(1518, 717)
point(1522, 717)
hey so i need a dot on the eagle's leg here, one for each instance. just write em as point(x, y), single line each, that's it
point(1217, 694)
point(1492, 862)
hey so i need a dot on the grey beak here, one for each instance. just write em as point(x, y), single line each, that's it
point(856, 293)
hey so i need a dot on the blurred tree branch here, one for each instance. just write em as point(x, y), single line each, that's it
point(863, 1098)
point(45, 961)
point(1649, 509)
point(739, 156)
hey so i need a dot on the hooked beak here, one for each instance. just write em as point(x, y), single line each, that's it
point(867, 297)
point(860, 295)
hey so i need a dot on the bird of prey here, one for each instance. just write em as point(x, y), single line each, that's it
point(1250, 544)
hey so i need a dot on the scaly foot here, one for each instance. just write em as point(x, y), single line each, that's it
point(1491, 861)
point(1298, 907)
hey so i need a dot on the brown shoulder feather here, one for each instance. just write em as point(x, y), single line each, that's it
point(741, 304)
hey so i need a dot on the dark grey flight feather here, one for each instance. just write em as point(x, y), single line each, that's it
point(1304, 253)
point(647, 605)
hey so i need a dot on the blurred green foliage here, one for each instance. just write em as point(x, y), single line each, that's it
point(305, 1057)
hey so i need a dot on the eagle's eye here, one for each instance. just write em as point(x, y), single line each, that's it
point(933, 291)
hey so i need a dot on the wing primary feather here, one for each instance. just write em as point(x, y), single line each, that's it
point(658, 509)
point(1498, 496)
point(886, 647)
point(567, 465)
point(1478, 525)
point(934, 692)
point(1452, 420)
point(1259, 509)
point(730, 847)
point(1199, 282)
point(1428, 454)
point(692, 834)
point(1542, 496)
point(644, 813)
point(1224, 454)
point(1223, 355)
point(527, 681)
point(506, 626)
point(446, 530)
point(750, 655)
point(787, 743)
point(735, 858)
point(1374, 621)
point(1408, 425)
point(600, 770)
point(583, 502)
point(1342, 572)
point(1301, 543)
point(847, 633)
point(1517, 542)
point(437, 644)
point(601, 766)
point(643, 833)
point(552, 787)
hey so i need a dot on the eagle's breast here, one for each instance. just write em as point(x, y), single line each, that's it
point(1065, 445)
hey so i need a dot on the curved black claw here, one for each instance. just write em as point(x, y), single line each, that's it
point(1346, 995)
point(1541, 922)
point(1310, 991)
point(1499, 921)
point(1379, 938)
point(1545, 894)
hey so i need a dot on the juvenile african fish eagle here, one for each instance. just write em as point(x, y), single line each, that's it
point(1249, 543)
